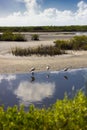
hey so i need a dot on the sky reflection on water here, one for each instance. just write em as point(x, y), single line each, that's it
point(34, 92)
point(42, 88)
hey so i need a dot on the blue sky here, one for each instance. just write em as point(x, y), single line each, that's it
point(9, 6)
point(49, 10)
point(61, 4)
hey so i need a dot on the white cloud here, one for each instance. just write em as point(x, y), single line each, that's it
point(33, 16)
point(32, 6)
point(82, 5)
point(33, 92)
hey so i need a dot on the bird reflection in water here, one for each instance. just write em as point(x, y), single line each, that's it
point(32, 78)
point(48, 76)
point(65, 77)
point(32, 74)
point(66, 69)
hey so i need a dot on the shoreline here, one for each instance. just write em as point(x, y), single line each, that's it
point(10, 64)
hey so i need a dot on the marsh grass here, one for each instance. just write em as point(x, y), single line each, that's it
point(40, 50)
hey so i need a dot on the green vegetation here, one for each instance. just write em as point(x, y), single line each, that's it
point(76, 43)
point(79, 42)
point(40, 50)
point(9, 36)
point(45, 29)
point(63, 44)
point(35, 37)
point(66, 114)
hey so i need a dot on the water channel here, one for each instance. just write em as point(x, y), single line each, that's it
point(41, 88)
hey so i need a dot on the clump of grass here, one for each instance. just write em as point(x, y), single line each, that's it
point(9, 36)
point(76, 43)
point(35, 37)
point(63, 44)
point(40, 50)
point(79, 42)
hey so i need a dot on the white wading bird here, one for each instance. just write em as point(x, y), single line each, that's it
point(47, 68)
point(32, 70)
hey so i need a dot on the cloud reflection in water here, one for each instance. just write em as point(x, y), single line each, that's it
point(33, 92)
point(7, 77)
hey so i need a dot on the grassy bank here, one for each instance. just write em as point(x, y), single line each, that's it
point(66, 114)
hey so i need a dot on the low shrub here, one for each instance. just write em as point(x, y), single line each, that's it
point(9, 36)
point(63, 44)
point(19, 37)
point(35, 37)
point(76, 43)
point(84, 47)
point(66, 114)
point(79, 42)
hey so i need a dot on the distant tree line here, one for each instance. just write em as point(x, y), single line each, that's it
point(45, 28)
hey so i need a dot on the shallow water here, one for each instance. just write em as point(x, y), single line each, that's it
point(81, 33)
point(41, 89)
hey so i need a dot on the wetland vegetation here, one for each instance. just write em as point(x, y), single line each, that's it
point(66, 114)
point(9, 36)
point(40, 50)
point(45, 29)
point(75, 43)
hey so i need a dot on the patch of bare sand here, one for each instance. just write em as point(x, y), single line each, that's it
point(13, 64)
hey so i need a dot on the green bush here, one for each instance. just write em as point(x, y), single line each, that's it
point(76, 43)
point(19, 37)
point(35, 37)
point(66, 114)
point(9, 36)
point(84, 47)
point(79, 42)
point(63, 44)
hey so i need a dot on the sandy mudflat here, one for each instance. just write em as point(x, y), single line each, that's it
point(13, 64)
